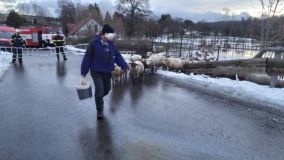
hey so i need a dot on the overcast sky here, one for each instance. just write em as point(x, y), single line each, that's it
point(177, 8)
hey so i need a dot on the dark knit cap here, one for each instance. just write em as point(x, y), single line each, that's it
point(107, 29)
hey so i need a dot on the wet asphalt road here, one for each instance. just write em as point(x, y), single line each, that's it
point(41, 118)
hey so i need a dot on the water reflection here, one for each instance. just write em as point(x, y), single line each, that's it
point(236, 54)
point(97, 142)
point(150, 81)
point(19, 67)
point(117, 95)
point(61, 70)
point(136, 91)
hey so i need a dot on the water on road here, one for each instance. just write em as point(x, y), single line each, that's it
point(41, 117)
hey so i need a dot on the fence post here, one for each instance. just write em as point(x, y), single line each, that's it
point(218, 53)
point(274, 78)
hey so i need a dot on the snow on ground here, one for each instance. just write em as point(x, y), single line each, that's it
point(5, 59)
point(236, 54)
point(231, 41)
point(126, 56)
point(260, 96)
point(75, 50)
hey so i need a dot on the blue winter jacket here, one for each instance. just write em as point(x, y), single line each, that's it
point(101, 57)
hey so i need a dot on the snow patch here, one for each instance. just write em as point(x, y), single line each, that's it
point(74, 50)
point(5, 59)
point(244, 91)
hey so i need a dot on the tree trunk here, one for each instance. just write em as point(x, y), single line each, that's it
point(257, 62)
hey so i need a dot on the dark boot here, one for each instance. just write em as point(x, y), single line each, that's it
point(100, 114)
point(100, 108)
point(64, 57)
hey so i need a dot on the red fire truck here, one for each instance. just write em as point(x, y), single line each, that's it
point(5, 35)
point(40, 37)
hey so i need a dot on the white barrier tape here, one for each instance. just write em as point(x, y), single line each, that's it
point(80, 47)
point(30, 51)
point(68, 49)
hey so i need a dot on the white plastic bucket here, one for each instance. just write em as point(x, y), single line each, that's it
point(84, 89)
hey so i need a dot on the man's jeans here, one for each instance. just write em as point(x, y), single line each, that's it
point(60, 49)
point(102, 82)
point(17, 51)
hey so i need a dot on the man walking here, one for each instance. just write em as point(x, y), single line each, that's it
point(59, 43)
point(99, 59)
point(17, 43)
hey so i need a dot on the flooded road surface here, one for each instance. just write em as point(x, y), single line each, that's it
point(41, 117)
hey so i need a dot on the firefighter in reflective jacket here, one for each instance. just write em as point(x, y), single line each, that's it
point(58, 43)
point(17, 43)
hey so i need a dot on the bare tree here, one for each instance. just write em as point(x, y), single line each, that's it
point(24, 8)
point(67, 13)
point(270, 28)
point(226, 14)
point(118, 24)
point(32, 9)
point(39, 11)
point(133, 9)
point(108, 19)
point(81, 12)
point(227, 19)
point(88, 11)
point(180, 31)
point(152, 29)
point(96, 13)
point(167, 27)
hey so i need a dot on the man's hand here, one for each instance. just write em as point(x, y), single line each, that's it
point(82, 80)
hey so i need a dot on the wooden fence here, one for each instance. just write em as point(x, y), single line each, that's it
point(139, 47)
